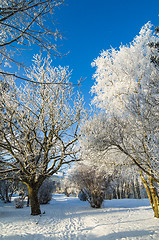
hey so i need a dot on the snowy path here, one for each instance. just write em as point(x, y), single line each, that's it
point(70, 219)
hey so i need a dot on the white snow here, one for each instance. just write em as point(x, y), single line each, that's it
point(71, 219)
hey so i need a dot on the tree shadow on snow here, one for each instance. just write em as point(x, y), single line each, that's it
point(124, 235)
point(29, 237)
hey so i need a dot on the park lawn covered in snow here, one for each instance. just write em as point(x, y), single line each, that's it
point(68, 218)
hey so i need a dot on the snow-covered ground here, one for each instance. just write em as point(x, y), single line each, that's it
point(70, 219)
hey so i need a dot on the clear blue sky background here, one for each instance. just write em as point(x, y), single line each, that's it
point(90, 26)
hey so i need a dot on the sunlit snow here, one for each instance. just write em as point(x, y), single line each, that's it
point(69, 218)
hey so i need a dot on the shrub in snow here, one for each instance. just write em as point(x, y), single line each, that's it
point(92, 180)
point(19, 202)
point(45, 191)
point(82, 196)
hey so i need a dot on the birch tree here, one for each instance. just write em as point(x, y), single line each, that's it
point(39, 126)
point(127, 90)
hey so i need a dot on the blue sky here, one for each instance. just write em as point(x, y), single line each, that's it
point(90, 26)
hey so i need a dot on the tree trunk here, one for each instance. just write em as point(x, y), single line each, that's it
point(34, 201)
point(137, 188)
point(7, 197)
point(152, 194)
point(147, 189)
point(154, 197)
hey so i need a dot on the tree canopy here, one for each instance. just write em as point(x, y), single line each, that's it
point(127, 90)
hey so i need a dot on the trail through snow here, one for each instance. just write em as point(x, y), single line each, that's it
point(70, 219)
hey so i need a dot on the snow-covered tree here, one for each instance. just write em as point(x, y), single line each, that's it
point(23, 25)
point(7, 188)
point(127, 182)
point(127, 90)
point(125, 178)
point(39, 126)
point(91, 180)
point(126, 71)
point(70, 187)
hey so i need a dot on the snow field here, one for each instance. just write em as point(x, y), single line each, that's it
point(70, 219)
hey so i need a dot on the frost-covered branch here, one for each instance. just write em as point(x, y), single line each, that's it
point(127, 90)
point(39, 123)
point(22, 25)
